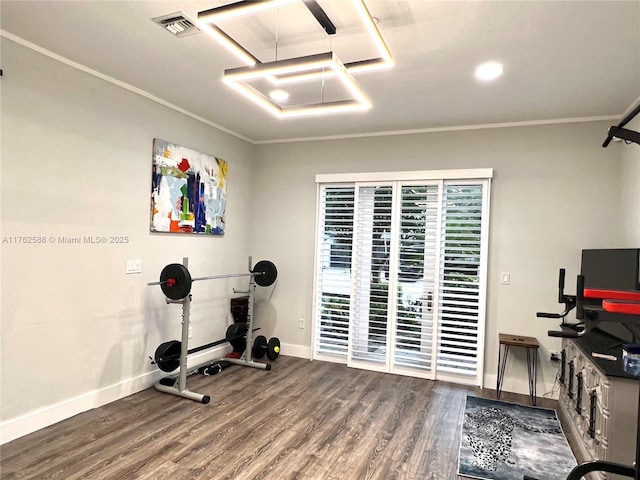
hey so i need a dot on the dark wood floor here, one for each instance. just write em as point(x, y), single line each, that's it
point(301, 420)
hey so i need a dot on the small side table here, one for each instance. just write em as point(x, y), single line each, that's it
point(531, 345)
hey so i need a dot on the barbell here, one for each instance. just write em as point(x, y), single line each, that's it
point(167, 355)
point(175, 279)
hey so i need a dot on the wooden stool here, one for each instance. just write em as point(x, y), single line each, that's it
point(531, 345)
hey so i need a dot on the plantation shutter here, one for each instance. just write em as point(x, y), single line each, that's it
point(333, 291)
point(416, 275)
point(460, 309)
point(371, 274)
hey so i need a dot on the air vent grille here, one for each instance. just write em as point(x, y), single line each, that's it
point(178, 24)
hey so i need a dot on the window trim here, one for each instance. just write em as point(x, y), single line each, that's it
point(458, 174)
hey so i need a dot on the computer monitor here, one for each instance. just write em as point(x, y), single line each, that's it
point(611, 269)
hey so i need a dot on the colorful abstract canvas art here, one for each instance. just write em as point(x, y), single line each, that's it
point(188, 190)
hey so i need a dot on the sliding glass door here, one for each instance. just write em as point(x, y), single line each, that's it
point(400, 269)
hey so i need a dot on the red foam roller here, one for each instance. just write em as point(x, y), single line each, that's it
point(621, 306)
point(630, 295)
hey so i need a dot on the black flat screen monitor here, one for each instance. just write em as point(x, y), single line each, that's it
point(612, 269)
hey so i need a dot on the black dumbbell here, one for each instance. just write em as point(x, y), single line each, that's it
point(213, 368)
point(261, 346)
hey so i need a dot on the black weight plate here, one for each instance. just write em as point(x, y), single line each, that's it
point(259, 346)
point(235, 335)
point(239, 345)
point(273, 348)
point(236, 330)
point(176, 281)
point(266, 273)
point(167, 356)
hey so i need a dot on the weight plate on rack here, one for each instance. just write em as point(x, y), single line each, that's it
point(259, 346)
point(175, 281)
point(273, 348)
point(266, 273)
point(167, 356)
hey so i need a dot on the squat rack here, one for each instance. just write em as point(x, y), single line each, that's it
point(168, 384)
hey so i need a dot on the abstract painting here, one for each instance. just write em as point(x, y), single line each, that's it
point(188, 190)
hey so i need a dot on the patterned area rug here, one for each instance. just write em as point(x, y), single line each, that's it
point(504, 441)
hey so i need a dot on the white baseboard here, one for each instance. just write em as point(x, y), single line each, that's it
point(25, 424)
point(46, 416)
point(292, 350)
point(33, 421)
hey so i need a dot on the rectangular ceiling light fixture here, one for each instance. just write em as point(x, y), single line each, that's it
point(209, 20)
point(238, 9)
point(239, 78)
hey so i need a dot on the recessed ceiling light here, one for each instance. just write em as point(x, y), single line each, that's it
point(489, 71)
point(279, 95)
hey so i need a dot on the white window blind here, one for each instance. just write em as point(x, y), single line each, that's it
point(416, 273)
point(460, 252)
point(371, 271)
point(333, 297)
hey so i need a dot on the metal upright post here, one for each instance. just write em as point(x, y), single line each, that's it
point(181, 389)
point(184, 344)
point(245, 359)
point(252, 291)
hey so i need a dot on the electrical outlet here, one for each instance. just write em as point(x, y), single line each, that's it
point(301, 323)
point(555, 356)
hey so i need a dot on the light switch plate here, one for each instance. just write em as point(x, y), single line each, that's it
point(134, 266)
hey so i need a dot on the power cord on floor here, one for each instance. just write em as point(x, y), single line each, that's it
point(555, 388)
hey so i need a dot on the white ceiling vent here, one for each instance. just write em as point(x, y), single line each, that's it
point(178, 24)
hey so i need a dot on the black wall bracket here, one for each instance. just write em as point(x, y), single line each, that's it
point(623, 133)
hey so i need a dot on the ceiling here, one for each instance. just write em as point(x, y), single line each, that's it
point(563, 60)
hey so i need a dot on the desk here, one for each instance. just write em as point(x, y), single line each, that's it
point(531, 345)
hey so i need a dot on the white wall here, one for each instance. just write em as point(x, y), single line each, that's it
point(76, 160)
point(630, 189)
point(553, 194)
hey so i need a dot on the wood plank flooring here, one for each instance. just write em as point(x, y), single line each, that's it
point(301, 420)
